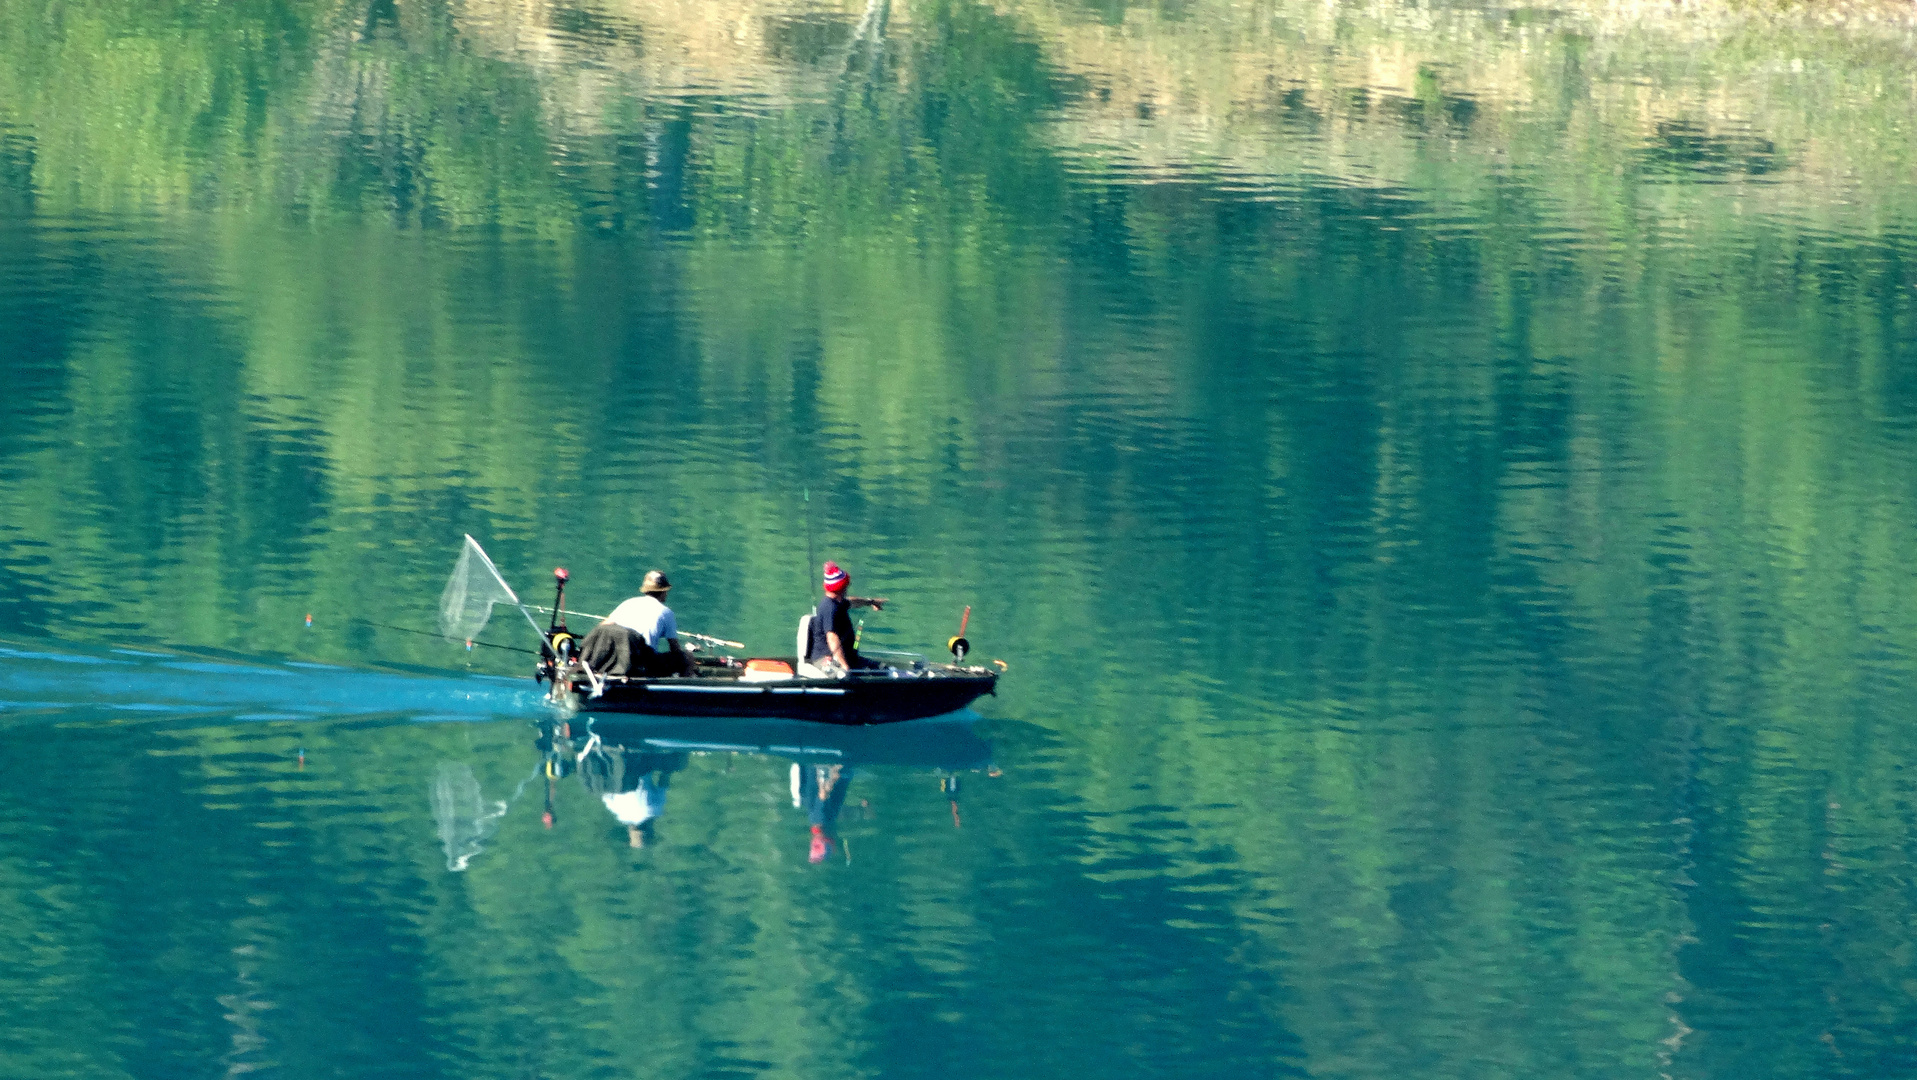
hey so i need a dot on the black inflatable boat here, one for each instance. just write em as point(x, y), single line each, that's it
point(766, 687)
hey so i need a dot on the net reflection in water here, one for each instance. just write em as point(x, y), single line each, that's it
point(465, 819)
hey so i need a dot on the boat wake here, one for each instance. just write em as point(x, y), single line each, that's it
point(41, 680)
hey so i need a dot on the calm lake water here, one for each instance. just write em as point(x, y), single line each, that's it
point(1441, 480)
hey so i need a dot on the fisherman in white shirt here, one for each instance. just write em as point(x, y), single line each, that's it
point(647, 614)
point(614, 646)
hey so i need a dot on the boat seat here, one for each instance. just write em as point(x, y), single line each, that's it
point(804, 643)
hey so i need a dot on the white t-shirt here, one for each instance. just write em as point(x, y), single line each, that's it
point(638, 806)
point(647, 617)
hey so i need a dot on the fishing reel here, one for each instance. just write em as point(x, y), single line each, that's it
point(957, 642)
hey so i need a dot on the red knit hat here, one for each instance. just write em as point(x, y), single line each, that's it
point(835, 578)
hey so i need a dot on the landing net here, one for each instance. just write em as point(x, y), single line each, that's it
point(467, 603)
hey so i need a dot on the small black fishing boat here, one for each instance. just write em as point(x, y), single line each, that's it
point(767, 687)
point(900, 686)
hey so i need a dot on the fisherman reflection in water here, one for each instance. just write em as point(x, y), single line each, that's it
point(629, 766)
point(640, 638)
point(832, 646)
point(820, 791)
point(632, 784)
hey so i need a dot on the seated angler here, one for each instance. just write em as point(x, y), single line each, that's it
point(832, 647)
point(640, 637)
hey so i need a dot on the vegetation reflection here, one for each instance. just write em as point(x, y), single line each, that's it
point(1508, 414)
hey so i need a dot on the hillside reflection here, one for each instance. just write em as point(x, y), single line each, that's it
point(1441, 477)
point(562, 114)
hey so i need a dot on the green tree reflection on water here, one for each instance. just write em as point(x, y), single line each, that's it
point(1501, 468)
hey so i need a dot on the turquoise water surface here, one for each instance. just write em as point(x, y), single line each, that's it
point(1440, 479)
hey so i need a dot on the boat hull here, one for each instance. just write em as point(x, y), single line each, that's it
point(853, 701)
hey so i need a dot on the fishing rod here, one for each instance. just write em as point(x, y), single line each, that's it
point(712, 640)
point(428, 633)
point(565, 611)
point(706, 638)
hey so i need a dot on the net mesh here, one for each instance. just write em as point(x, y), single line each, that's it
point(467, 602)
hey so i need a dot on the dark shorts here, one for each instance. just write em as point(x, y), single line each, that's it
point(611, 649)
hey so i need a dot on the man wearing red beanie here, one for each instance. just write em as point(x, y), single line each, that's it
point(831, 643)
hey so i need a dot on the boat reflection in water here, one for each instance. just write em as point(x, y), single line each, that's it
point(629, 762)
